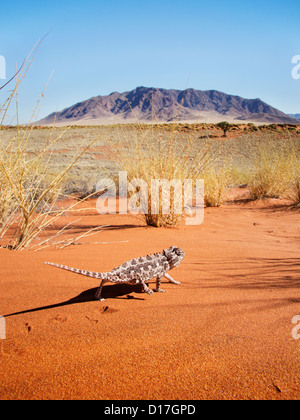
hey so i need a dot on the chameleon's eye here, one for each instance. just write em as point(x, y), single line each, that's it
point(179, 251)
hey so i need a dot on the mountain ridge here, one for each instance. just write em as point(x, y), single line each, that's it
point(144, 104)
point(297, 116)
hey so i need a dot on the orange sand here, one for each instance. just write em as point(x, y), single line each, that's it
point(224, 333)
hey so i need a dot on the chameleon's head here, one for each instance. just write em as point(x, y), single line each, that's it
point(174, 255)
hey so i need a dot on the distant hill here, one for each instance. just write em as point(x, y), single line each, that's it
point(297, 116)
point(165, 105)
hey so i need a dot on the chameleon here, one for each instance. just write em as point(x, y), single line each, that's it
point(137, 271)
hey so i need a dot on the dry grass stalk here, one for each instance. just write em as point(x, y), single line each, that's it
point(275, 172)
point(29, 185)
point(216, 181)
point(164, 155)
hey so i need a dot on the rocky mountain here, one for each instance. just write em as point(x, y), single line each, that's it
point(165, 105)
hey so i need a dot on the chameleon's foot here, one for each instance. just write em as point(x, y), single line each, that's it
point(100, 299)
point(159, 291)
point(149, 291)
point(146, 288)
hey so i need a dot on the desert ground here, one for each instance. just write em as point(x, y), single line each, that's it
point(224, 333)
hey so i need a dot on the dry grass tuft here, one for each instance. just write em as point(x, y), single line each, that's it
point(216, 182)
point(275, 171)
point(153, 155)
point(30, 186)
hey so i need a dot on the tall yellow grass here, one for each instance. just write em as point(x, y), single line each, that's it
point(275, 171)
point(29, 185)
point(157, 154)
point(216, 182)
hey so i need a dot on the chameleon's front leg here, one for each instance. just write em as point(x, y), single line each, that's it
point(167, 276)
point(158, 283)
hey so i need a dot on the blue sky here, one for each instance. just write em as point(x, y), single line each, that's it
point(97, 47)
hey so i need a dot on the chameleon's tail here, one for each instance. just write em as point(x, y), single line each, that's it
point(92, 274)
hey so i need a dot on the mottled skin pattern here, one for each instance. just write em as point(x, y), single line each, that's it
point(138, 270)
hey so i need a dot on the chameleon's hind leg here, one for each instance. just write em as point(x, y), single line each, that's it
point(145, 287)
point(158, 283)
point(167, 276)
point(99, 291)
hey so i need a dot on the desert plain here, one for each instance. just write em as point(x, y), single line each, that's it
point(225, 332)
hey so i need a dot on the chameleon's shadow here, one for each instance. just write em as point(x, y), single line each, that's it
point(108, 292)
